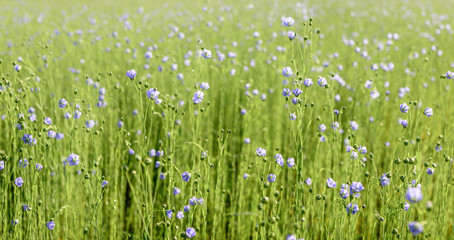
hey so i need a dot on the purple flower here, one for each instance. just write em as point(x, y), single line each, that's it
point(186, 176)
point(206, 53)
point(279, 159)
point(287, 72)
point(308, 82)
point(261, 152)
point(374, 94)
point(352, 208)
point(193, 201)
point(449, 75)
point(19, 182)
point(322, 81)
point(73, 159)
point(404, 123)
point(23, 163)
point(2, 165)
point(14, 222)
point(152, 93)
point(160, 153)
point(180, 215)
point(288, 21)
point(344, 193)
point(428, 112)
point(190, 232)
point(187, 208)
point(104, 183)
point(169, 214)
point(308, 181)
point(198, 97)
point(322, 128)
point(413, 195)
point(152, 153)
point(290, 237)
point(297, 92)
point(430, 171)
point(291, 35)
point(131, 151)
point(27, 138)
point(404, 108)
point(48, 121)
point(286, 92)
point(438, 148)
point(204, 86)
point(176, 191)
point(292, 116)
point(148, 55)
point(51, 134)
point(89, 124)
point(26, 208)
point(356, 187)
point(331, 183)
point(131, 74)
point(406, 206)
point(362, 149)
point(50, 225)
point(290, 162)
point(271, 178)
point(157, 164)
point(59, 136)
point(62, 103)
point(77, 114)
point(295, 100)
point(415, 228)
point(354, 125)
point(38, 166)
point(384, 180)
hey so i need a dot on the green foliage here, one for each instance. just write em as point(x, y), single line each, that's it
point(62, 46)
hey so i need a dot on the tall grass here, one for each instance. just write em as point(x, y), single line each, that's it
point(81, 51)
